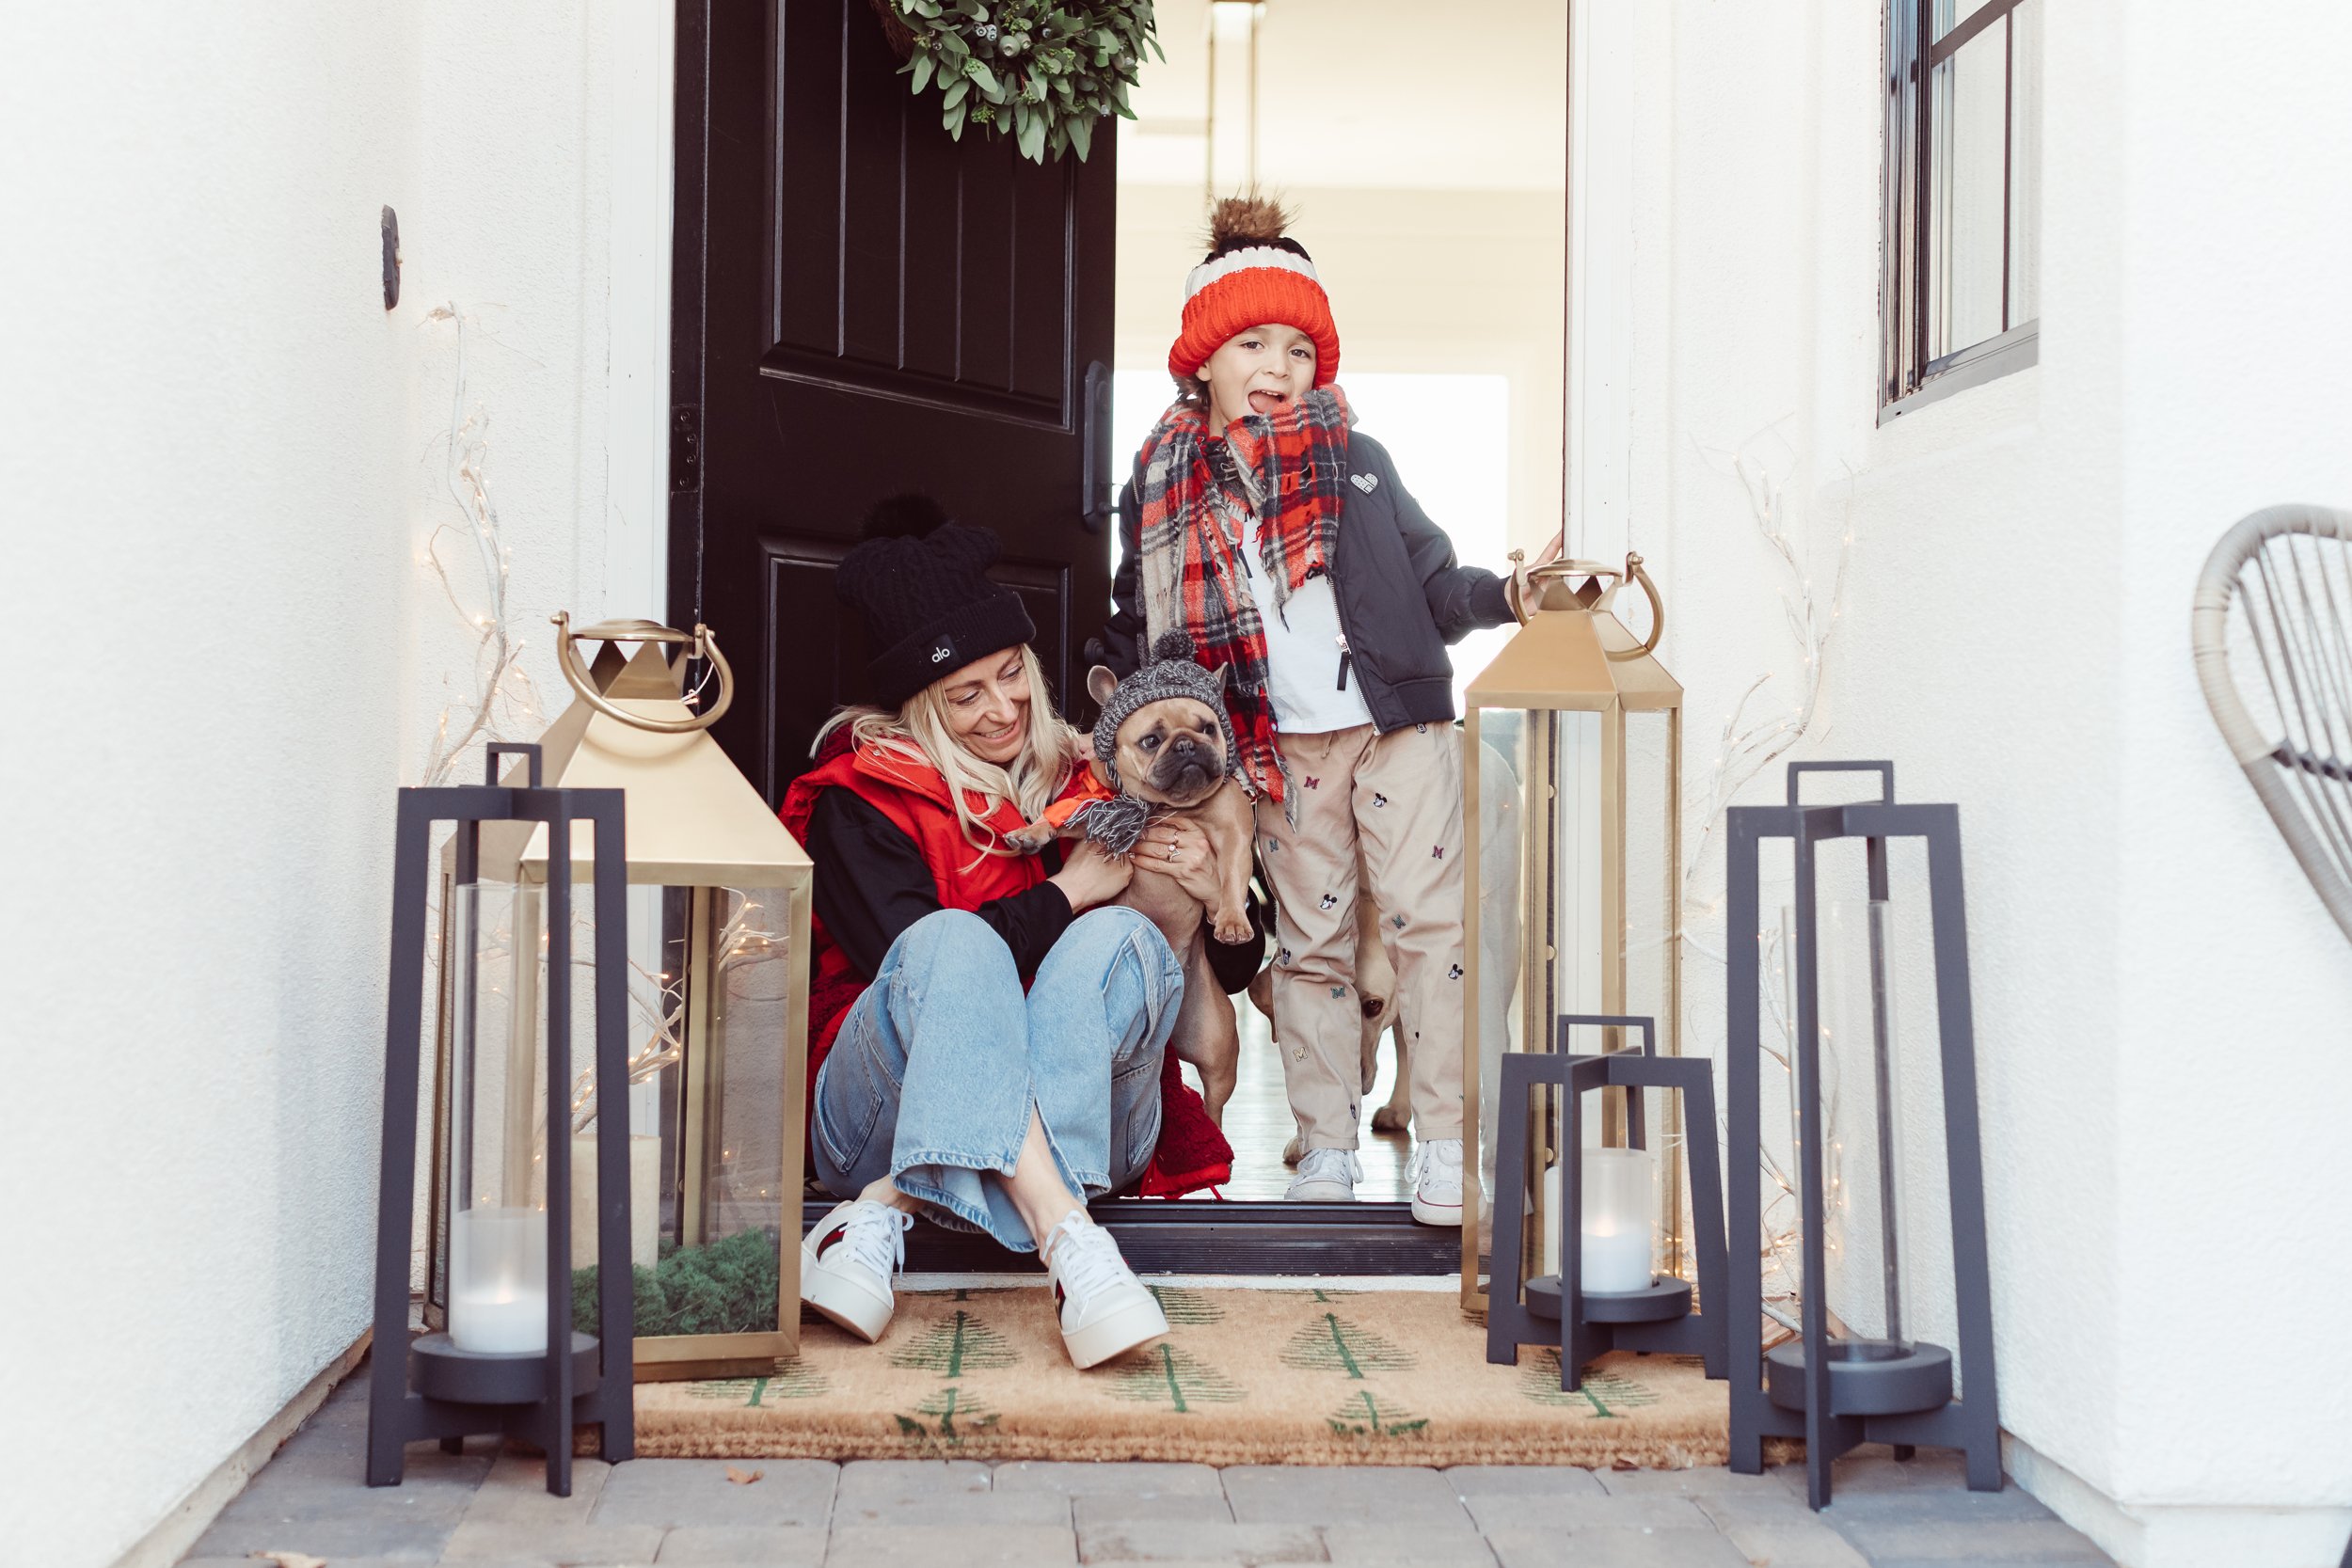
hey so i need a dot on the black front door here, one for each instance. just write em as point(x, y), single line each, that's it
point(864, 308)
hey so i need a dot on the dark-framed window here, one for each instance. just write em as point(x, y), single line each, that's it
point(1962, 294)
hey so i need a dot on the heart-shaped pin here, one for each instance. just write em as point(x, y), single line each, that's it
point(1366, 483)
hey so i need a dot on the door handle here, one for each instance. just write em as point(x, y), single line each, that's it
point(1097, 495)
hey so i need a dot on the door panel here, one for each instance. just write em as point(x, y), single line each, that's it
point(866, 307)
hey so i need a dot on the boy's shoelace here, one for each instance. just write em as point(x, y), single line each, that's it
point(1331, 1164)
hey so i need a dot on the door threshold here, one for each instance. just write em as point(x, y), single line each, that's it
point(1195, 1236)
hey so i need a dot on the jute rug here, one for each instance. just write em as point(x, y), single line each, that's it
point(1245, 1376)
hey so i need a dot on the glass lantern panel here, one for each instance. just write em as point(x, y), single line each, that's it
point(747, 1192)
point(1499, 967)
point(1875, 1202)
point(493, 1242)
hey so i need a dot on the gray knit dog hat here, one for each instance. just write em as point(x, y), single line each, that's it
point(1170, 670)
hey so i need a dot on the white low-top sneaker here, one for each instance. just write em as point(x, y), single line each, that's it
point(1326, 1176)
point(846, 1259)
point(1104, 1308)
point(1437, 1182)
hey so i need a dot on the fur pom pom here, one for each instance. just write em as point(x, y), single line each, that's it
point(1172, 647)
point(1246, 220)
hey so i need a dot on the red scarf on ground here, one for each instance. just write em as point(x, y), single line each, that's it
point(1289, 468)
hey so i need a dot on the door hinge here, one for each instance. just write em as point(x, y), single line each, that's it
point(686, 449)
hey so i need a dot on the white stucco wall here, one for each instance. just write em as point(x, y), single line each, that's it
point(2156, 989)
point(219, 466)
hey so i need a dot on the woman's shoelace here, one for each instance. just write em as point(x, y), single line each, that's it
point(876, 1235)
point(1085, 1255)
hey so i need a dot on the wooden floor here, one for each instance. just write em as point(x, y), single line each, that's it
point(1258, 1123)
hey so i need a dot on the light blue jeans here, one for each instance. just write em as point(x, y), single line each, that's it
point(933, 1077)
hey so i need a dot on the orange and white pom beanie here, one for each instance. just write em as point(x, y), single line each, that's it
point(1254, 275)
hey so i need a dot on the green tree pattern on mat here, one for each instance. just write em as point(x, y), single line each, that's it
point(945, 1420)
point(954, 1346)
point(1175, 1379)
point(1317, 1293)
point(1367, 1414)
point(1608, 1394)
point(1333, 1344)
point(790, 1381)
point(1183, 1306)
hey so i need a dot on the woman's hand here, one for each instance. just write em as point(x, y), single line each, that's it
point(1091, 875)
point(1176, 848)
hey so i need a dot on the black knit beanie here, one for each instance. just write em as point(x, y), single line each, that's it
point(929, 606)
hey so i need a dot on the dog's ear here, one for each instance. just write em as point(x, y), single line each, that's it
point(1101, 683)
point(1224, 676)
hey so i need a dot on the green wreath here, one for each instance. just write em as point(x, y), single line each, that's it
point(1042, 72)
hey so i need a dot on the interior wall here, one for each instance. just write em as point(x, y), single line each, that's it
point(2153, 978)
point(1425, 169)
point(225, 460)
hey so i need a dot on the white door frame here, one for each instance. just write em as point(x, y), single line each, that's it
point(641, 180)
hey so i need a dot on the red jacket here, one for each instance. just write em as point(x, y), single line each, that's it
point(1191, 1154)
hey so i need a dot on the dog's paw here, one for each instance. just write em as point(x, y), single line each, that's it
point(1232, 929)
point(1293, 1150)
point(1388, 1118)
point(1028, 840)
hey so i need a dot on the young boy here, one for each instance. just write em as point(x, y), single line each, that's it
point(1286, 545)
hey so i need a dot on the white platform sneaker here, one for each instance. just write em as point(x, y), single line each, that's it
point(1326, 1176)
point(1104, 1308)
point(846, 1259)
point(1437, 1182)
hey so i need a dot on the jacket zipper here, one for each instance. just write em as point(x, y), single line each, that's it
point(1345, 655)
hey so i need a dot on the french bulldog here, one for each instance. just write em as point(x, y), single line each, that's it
point(1169, 758)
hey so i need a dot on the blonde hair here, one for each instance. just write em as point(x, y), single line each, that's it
point(919, 731)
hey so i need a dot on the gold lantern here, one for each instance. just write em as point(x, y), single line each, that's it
point(716, 1100)
point(1571, 764)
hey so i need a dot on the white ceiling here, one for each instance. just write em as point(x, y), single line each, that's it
point(1391, 94)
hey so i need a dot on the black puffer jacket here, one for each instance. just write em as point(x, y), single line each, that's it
point(1402, 596)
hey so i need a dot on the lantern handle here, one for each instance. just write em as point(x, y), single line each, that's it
point(1657, 611)
point(705, 645)
point(1528, 580)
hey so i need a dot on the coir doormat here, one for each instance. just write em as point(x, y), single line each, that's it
point(1244, 1377)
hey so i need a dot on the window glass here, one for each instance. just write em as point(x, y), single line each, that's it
point(1951, 13)
point(2025, 163)
point(1969, 190)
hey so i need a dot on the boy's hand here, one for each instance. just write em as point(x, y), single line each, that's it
point(1523, 570)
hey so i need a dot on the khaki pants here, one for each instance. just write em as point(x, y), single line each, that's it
point(1398, 797)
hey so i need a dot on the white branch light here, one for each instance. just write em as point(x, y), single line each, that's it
point(501, 700)
point(1763, 466)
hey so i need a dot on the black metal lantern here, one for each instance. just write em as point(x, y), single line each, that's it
point(1607, 1293)
point(509, 1360)
point(1840, 1389)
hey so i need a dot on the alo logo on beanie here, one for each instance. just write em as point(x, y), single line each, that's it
point(942, 654)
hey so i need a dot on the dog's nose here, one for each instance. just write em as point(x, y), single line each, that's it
point(1186, 745)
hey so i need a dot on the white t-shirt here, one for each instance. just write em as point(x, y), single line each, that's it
point(1303, 647)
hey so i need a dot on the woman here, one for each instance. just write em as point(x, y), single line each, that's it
point(987, 1033)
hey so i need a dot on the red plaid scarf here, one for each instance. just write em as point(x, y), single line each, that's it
point(1289, 468)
